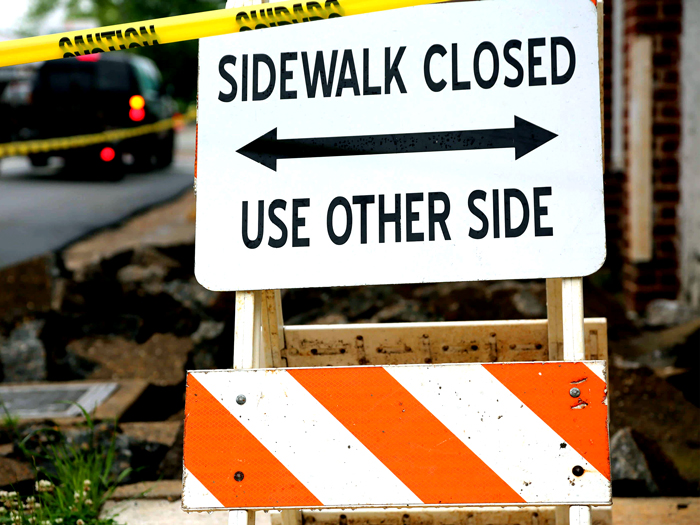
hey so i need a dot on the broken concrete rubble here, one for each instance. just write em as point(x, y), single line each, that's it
point(13, 473)
point(665, 313)
point(630, 470)
point(22, 354)
point(27, 287)
point(160, 360)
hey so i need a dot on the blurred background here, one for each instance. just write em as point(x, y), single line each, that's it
point(178, 64)
point(97, 244)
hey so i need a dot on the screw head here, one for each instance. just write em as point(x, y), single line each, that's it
point(238, 476)
point(577, 471)
point(574, 392)
point(240, 399)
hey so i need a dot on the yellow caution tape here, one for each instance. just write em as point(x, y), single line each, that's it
point(187, 27)
point(28, 147)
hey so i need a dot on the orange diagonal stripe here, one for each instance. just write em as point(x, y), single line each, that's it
point(428, 458)
point(544, 388)
point(217, 446)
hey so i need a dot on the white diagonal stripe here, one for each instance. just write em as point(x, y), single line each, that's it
point(598, 368)
point(323, 455)
point(195, 494)
point(509, 437)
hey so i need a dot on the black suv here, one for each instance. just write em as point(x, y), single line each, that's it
point(100, 92)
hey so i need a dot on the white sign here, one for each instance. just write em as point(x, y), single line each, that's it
point(450, 142)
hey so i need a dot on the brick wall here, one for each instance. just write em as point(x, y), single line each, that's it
point(662, 19)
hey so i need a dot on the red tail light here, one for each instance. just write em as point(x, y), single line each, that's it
point(136, 114)
point(178, 122)
point(94, 57)
point(107, 154)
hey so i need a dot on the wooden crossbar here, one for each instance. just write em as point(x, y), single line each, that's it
point(420, 343)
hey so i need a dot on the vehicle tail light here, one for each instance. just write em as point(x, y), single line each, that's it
point(178, 122)
point(137, 103)
point(94, 57)
point(137, 114)
point(107, 154)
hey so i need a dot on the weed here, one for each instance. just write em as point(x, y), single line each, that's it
point(9, 423)
point(79, 483)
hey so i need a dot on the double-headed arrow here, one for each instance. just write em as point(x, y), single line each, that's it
point(524, 137)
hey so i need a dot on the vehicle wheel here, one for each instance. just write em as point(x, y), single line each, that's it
point(39, 160)
point(166, 147)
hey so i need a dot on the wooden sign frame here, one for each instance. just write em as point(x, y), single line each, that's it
point(262, 341)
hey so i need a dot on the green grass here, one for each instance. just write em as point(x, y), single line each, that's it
point(9, 422)
point(73, 494)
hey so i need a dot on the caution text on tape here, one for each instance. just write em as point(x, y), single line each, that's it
point(186, 27)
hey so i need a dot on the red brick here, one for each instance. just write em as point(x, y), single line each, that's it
point(670, 44)
point(666, 164)
point(669, 264)
point(669, 178)
point(669, 146)
point(669, 26)
point(666, 95)
point(670, 111)
point(671, 77)
point(666, 129)
point(664, 230)
point(646, 27)
point(672, 9)
point(669, 280)
point(649, 9)
point(666, 247)
point(668, 213)
point(659, 185)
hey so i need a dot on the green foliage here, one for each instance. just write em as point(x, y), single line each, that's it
point(9, 422)
point(177, 62)
point(81, 481)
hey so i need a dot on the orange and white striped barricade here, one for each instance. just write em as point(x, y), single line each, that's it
point(397, 436)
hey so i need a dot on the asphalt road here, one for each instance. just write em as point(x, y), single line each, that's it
point(42, 209)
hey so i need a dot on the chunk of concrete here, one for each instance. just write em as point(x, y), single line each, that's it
point(631, 475)
point(23, 355)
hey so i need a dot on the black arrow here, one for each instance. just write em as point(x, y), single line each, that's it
point(524, 137)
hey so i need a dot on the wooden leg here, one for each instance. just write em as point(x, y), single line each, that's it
point(574, 350)
point(561, 515)
point(246, 354)
point(555, 329)
point(579, 515)
point(572, 319)
point(241, 517)
point(272, 330)
point(291, 517)
point(247, 339)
